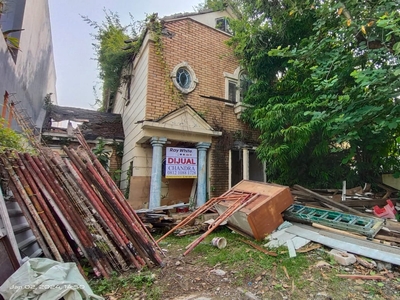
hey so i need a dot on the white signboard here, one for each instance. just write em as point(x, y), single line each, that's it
point(181, 163)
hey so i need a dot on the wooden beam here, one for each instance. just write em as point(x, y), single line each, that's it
point(364, 277)
point(331, 202)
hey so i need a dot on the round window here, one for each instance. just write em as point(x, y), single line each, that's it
point(184, 78)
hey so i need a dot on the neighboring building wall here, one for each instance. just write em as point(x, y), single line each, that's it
point(30, 75)
point(209, 18)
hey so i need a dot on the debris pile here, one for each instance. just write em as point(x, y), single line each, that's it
point(76, 210)
point(356, 210)
point(253, 208)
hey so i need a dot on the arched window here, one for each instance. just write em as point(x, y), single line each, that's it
point(244, 85)
point(237, 85)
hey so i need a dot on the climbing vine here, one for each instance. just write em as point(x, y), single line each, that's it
point(156, 26)
point(114, 46)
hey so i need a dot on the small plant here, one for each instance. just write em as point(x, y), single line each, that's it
point(11, 140)
point(12, 42)
point(102, 154)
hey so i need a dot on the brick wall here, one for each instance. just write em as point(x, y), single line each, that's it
point(204, 49)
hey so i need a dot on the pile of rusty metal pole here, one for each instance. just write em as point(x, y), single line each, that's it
point(76, 211)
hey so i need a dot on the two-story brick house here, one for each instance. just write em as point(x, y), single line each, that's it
point(183, 89)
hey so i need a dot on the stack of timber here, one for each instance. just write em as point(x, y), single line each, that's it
point(76, 210)
point(163, 217)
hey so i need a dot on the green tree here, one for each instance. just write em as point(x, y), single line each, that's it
point(326, 92)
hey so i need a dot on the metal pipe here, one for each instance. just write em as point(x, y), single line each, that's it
point(44, 214)
point(113, 186)
point(140, 243)
point(103, 216)
point(24, 195)
point(27, 215)
point(89, 249)
point(121, 202)
point(43, 210)
point(40, 192)
point(80, 166)
point(76, 195)
point(236, 206)
point(200, 210)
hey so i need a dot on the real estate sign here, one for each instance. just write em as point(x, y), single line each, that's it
point(181, 163)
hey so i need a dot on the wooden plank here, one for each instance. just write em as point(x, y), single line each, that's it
point(360, 276)
point(349, 244)
point(326, 200)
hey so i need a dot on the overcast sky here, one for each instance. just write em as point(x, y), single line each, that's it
point(73, 52)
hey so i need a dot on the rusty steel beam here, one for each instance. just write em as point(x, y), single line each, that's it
point(45, 213)
point(122, 232)
point(36, 232)
point(41, 192)
point(34, 195)
point(117, 198)
point(61, 198)
point(139, 243)
point(105, 217)
point(77, 196)
point(234, 207)
point(121, 198)
point(23, 190)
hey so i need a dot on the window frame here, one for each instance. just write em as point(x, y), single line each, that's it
point(194, 80)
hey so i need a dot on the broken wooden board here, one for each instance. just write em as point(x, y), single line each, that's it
point(349, 244)
point(328, 201)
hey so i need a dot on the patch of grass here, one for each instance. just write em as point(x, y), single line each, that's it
point(124, 284)
point(154, 293)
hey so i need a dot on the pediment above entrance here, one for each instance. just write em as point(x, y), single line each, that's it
point(185, 120)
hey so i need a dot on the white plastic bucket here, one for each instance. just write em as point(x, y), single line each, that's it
point(219, 242)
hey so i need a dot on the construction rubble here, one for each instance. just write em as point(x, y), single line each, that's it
point(76, 211)
point(350, 222)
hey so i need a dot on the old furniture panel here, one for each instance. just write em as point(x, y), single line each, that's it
point(264, 214)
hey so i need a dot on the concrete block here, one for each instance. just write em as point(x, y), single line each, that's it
point(342, 257)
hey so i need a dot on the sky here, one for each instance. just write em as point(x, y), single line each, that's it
point(76, 68)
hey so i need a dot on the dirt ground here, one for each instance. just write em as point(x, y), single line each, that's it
point(240, 271)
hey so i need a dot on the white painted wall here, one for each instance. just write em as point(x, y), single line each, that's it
point(132, 113)
point(209, 19)
point(32, 76)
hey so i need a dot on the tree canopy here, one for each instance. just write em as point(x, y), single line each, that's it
point(326, 87)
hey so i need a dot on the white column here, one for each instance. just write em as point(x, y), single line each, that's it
point(246, 166)
point(202, 173)
point(156, 170)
